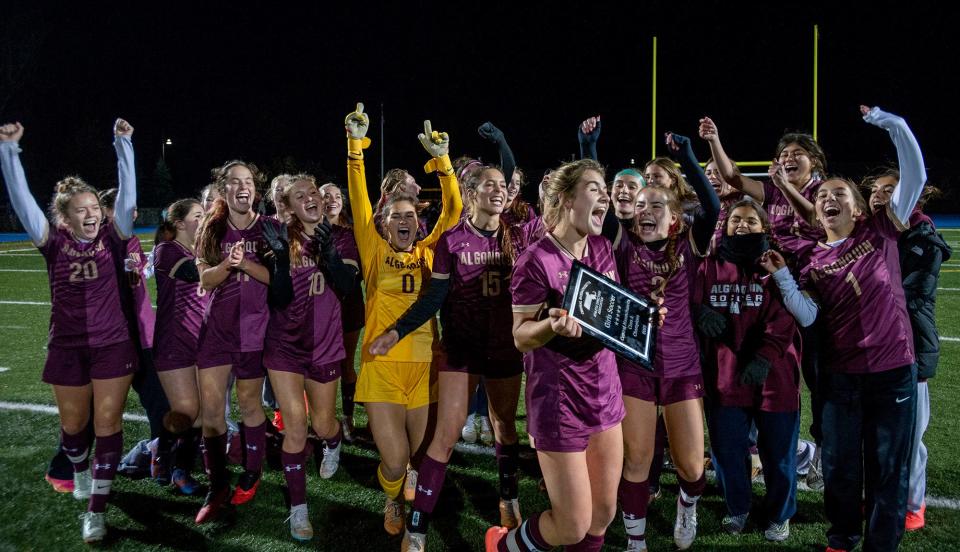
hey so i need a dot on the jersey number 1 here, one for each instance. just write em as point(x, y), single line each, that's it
point(853, 282)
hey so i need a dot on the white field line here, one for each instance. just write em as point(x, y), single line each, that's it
point(945, 338)
point(21, 270)
point(5, 251)
point(37, 303)
point(948, 289)
point(4, 369)
point(934, 501)
point(35, 255)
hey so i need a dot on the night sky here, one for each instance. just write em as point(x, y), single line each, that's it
point(272, 85)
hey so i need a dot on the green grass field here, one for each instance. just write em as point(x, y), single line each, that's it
point(346, 510)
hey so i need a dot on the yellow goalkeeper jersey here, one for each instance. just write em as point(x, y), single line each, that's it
point(395, 279)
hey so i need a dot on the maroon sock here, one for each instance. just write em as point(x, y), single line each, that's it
point(215, 459)
point(590, 543)
point(634, 499)
point(106, 456)
point(526, 538)
point(334, 442)
point(690, 491)
point(296, 475)
point(255, 441)
point(77, 449)
point(430, 478)
point(507, 461)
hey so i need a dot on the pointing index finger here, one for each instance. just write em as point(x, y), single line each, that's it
point(427, 128)
point(359, 108)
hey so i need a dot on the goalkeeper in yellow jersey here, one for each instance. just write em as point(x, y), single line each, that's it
point(398, 387)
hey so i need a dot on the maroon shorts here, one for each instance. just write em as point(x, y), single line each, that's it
point(661, 391)
point(574, 443)
point(481, 365)
point(243, 365)
point(174, 360)
point(77, 366)
point(282, 361)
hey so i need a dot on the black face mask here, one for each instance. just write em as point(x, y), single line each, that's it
point(744, 250)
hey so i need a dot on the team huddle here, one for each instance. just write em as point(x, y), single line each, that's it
point(756, 282)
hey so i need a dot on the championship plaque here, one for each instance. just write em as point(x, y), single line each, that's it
point(624, 322)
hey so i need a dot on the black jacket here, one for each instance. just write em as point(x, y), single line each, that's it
point(922, 250)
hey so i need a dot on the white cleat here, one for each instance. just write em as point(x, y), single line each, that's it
point(413, 542)
point(486, 432)
point(330, 462)
point(469, 431)
point(94, 526)
point(300, 528)
point(685, 527)
point(82, 484)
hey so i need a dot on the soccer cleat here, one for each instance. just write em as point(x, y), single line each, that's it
point(915, 520)
point(330, 462)
point(159, 463)
point(213, 504)
point(94, 526)
point(469, 431)
point(815, 474)
point(756, 469)
point(685, 526)
point(491, 540)
point(413, 542)
point(734, 524)
point(183, 482)
point(777, 532)
point(246, 488)
point(347, 426)
point(655, 493)
point(486, 432)
point(82, 484)
point(410, 485)
point(636, 546)
point(510, 513)
point(60, 485)
point(393, 517)
point(300, 528)
point(278, 421)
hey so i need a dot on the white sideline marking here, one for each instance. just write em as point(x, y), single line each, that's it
point(38, 303)
point(944, 338)
point(4, 369)
point(935, 501)
point(21, 270)
point(5, 251)
point(948, 289)
point(13, 327)
point(47, 409)
point(5, 254)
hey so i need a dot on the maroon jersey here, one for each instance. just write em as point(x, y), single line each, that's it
point(180, 305)
point(857, 285)
point(84, 289)
point(236, 317)
point(757, 324)
point(792, 233)
point(508, 218)
point(352, 304)
point(527, 234)
point(572, 384)
point(644, 271)
point(476, 317)
point(146, 318)
point(310, 326)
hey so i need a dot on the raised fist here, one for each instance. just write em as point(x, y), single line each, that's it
point(11, 132)
point(122, 128)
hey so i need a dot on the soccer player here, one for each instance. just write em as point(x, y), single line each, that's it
point(573, 394)
point(352, 308)
point(663, 172)
point(231, 336)
point(751, 366)
point(471, 274)
point(208, 195)
point(396, 388)
point(922, 251)
point(181, 302)
point(656, 260)
point(727, 195)
point(868, 414)
point(91, 358)
point(303, 351)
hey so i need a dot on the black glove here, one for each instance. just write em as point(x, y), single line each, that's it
point(589, 137)
point(683, 147)
point(275, 236)
point(491, 133)
point(710, 322)
point(323, 238)
point(755, 372)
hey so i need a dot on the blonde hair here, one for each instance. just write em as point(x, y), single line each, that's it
point(64, 191)
point(295, 227)
point(561, 187)
point(682, 190)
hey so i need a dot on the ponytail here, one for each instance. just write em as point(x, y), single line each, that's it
point(174, 213)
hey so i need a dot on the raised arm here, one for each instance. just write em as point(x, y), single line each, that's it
point(801, 205)
point(30, 214)
point(913, 174)
point(705, 221)
point(588, 133)
point(494, 135)
point(127, 177)
point(728, 169)
point(356, 125)
point(437, 145)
